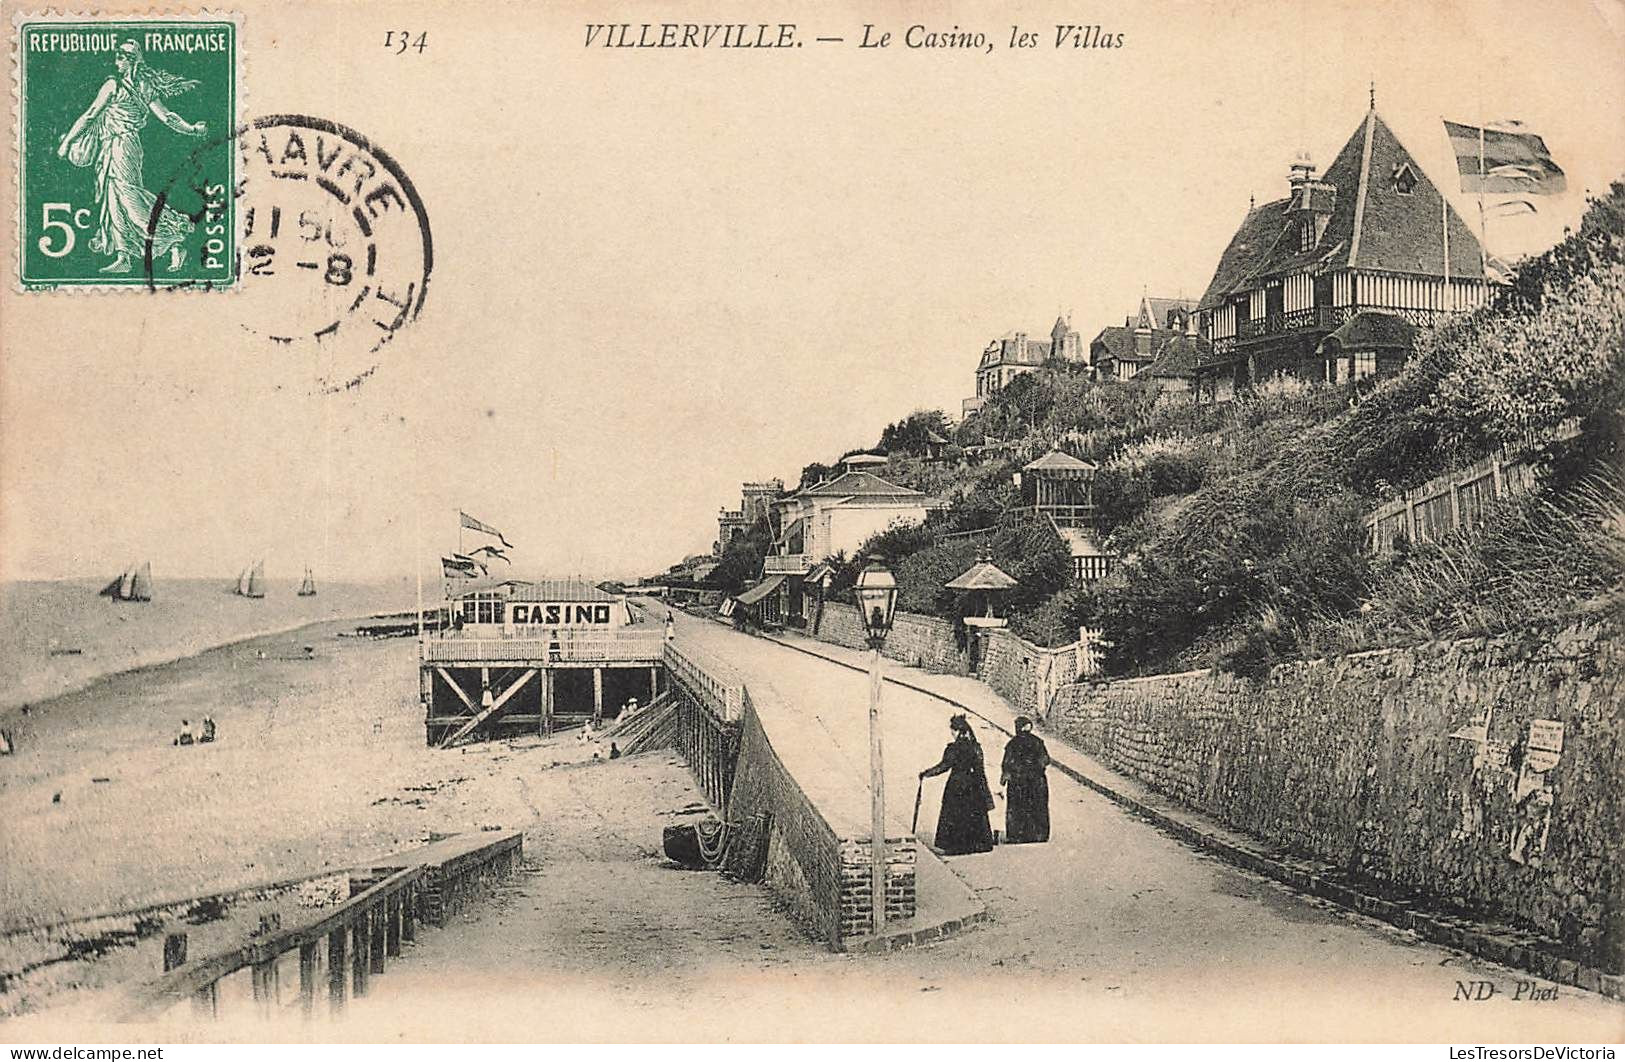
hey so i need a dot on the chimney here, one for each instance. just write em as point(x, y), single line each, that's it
point(1312, 200)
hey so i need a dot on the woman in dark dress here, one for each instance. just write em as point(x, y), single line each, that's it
point(963, 828)
point(1026, 817)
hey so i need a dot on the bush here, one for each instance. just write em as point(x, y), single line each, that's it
point(1529, 557)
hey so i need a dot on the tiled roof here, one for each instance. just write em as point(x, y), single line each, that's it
point(557, 590)
point(1015, 350)
point(1178, 358)
point(1119, 343)
point(1159, 309)
point(1372, 224)
point(1056, 461)
point(983, 575)
point(1372, 331)
point(860, 484)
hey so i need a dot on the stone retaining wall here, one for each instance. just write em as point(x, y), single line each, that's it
point(818, 842)
point(1430, 768)
point(920, 641)
point(1025, 674)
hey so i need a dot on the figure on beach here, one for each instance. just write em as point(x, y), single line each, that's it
point(208, 730)
point(963, 827)
point(1026, 815)
point(185, 737)
point(108, 136)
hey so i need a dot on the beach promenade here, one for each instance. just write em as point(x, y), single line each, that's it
point(1113, 911)
point(1113, 930)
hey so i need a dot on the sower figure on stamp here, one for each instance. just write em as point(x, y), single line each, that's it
point(108, 136)
point(1026, 816)
point(963, 827)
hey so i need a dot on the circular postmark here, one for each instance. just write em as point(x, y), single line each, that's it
point(329, 237)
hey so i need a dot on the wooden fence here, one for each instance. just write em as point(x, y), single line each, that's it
point(1458, 499)
point(344, 948)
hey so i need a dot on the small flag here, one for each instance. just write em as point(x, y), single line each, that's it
point(459, 567)
point(492, 551)
point(476, 525)
point(464, 558)
point(1503, 158)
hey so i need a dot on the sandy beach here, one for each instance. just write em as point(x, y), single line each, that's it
point(103, 813)
point(319, 764)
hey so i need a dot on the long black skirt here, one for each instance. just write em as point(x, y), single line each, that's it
point(1026, 817)
point(963, 827)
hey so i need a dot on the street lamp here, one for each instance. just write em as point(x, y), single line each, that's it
point(876, 591)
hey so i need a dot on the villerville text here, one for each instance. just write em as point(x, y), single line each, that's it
point(789, 35)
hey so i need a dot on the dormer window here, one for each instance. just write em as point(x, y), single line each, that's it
point(1404, 179)
point(1306, 235)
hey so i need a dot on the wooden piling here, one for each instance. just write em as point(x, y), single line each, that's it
point(377, 919)
point(206, 1001)
point(338, 974)
point(392, 942)
point(359, 967)
point(307, 979)
point(264, 987)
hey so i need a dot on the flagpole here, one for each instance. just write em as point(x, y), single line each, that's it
point(1444, 219)
point(1483, 227)
point(417, 538)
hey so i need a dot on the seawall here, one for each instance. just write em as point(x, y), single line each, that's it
point(758, 759)
point(1482, 773)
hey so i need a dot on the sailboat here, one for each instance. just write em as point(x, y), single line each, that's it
point(251, 583)
point(308, 587)
point(133, 584)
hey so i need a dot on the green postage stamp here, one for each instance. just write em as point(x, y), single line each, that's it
point(126, 152)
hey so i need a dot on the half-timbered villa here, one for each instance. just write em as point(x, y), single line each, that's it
point(1329, 282)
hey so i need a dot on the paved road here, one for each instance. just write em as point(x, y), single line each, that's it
point(1133, 934)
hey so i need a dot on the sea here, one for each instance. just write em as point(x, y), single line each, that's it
point(58, 636)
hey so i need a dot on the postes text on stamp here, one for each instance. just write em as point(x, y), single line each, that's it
point(110, 111)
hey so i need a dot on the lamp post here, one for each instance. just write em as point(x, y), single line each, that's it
point(876, 591)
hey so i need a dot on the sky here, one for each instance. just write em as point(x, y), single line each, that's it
point(658, 274)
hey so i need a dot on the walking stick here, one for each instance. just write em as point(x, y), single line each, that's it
point(919, 789)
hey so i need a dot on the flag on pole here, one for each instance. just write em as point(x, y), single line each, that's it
point(1504, 158)
point(459, 567)
point(475, 525)
point(492, 551)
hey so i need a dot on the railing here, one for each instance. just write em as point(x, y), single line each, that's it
point(716, 685)
point(639, 646)
point(787, 564)
point(344, 947)
point(1326, 318)
point(965, 536)
point(1063, 515)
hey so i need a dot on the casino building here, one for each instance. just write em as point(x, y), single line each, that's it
point(530, 657)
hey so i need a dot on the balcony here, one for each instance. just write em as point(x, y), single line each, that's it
point(1325, 319)
point(787, 564)
point(597, 647)
point(1063, 515)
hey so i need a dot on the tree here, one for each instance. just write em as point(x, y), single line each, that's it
point(814, 473)
point(911, 435)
